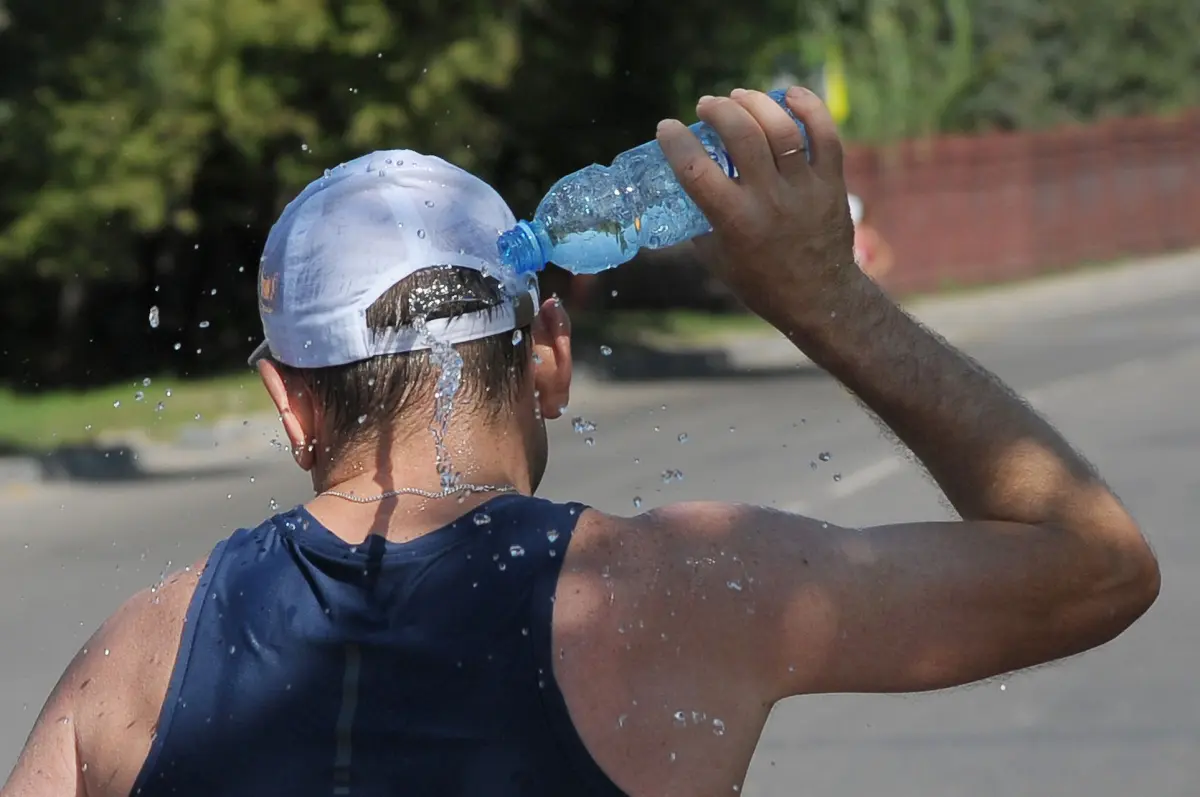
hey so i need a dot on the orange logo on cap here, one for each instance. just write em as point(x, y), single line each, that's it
point(267, 288)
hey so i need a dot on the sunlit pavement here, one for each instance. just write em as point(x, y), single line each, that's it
point(1121, 381)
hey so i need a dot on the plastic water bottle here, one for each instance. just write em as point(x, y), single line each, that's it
point(600, 216)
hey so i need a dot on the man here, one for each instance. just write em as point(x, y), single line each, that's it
point(425, 626)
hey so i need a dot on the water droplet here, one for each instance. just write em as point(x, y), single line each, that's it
point(420, 233)
point(552, 535)
point(429, 203)
point(591, 441)
point(203, 325)
point(106, 651)
point(64, 720)
point(167, 392)
point(736, 586)
point(146, 382)
point(197, 416)
point(87, 428)
point(582, 425)
point(621, 720)
point(482, 518)
point(517, 337)
point(503, 567)
point(1003, 687)
point(138, 395)
point(680, 719)
point(154, 317)
point(606, 351)
point(516, 550)
point(683, 438)
point(637, 502)
point(733, 428)
point(273, 504)
point(672, 475)
point(825, 456)
point(232, 649)
point(159, 407)
point(178, 346)
point(837, 477)
point(304, 147)
point(362, 419)
point(117, 403)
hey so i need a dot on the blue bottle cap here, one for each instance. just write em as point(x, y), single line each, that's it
point(521, 250)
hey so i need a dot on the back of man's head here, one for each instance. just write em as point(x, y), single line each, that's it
point(380, 288)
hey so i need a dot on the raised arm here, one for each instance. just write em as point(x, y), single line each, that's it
point(1046, 562)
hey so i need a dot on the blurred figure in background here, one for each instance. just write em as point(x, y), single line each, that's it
point(871, 251)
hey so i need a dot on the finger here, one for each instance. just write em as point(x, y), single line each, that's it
point(744, 140)
point(784, 137)
point(703, 180)
point(826, 155)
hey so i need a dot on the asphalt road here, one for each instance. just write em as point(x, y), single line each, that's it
point(1121, 381)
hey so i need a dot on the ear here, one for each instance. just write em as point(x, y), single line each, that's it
point(296, 409)
point(552, 358)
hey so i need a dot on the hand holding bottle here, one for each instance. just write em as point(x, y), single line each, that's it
point(782, 235)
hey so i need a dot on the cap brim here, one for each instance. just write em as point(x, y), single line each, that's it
point(262, 352)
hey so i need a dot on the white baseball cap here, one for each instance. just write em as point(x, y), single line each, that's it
point(360, 229)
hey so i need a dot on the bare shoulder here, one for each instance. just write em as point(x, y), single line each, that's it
point(96, 727)
point(653, 625)
point(118, 681)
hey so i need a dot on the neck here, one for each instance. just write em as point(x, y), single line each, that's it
point(480, 455)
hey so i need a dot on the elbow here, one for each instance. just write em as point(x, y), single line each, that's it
point(1147, 581)
point(1135, 580)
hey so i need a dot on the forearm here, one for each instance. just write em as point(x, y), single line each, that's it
point(991, 454)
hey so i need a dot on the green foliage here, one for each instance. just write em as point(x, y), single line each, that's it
point(147, 147)
point(917, 67)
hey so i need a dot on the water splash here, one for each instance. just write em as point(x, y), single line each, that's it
point(449, 364)
point(154, 317)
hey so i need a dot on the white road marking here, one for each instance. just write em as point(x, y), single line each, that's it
point(867, 477)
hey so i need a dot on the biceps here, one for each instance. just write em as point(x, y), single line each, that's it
point(930, 606)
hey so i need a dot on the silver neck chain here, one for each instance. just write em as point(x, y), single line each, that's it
point(446, 493)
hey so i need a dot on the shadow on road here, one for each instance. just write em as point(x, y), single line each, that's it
point(105, 464)
point(638, 362)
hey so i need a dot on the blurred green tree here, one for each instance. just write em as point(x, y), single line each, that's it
point(146, 147)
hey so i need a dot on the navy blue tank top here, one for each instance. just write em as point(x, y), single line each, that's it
point(309, 666)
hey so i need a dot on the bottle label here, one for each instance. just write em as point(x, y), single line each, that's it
point(721, 158)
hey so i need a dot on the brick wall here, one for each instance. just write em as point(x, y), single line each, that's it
point(970, 209)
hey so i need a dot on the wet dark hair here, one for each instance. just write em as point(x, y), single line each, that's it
point(364, 398)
